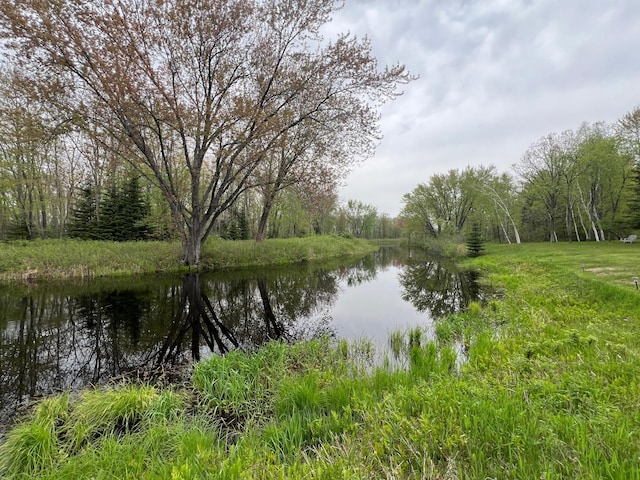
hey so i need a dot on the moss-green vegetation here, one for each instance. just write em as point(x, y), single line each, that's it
point(51, 259)
point(541, 383)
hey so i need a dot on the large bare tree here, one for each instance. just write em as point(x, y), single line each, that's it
point(197, 93)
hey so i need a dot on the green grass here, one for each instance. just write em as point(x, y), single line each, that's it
point(220, 254)
point(548, 388)
point(56, 259)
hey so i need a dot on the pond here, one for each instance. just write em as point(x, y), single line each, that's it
point(65, 336)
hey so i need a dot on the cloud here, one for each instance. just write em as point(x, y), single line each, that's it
point(495, 75)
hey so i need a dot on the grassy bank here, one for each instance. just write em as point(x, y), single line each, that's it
point(54, 259)
point(546, 386)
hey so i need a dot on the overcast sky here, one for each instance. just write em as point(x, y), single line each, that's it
point(495, 76)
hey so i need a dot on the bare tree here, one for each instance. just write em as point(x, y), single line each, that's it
point(197, 93)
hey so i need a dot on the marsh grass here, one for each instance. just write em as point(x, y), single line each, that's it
point(34, 444)
point(36, 260)
point(549, 390)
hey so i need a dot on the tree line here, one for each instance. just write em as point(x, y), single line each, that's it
point(209, 102)
point(577, 185)
point(239, 119)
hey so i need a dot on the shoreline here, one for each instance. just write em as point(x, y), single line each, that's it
point(548, 391)
point(39, 261)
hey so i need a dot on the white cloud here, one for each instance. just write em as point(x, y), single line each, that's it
point(495, 76)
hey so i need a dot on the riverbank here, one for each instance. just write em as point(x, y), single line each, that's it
point(540, 383)
point(68, 258)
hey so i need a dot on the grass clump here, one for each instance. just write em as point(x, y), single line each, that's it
point(109, 411)
point(32, 445)
point(62, 427)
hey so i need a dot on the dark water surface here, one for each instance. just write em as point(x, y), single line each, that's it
point(65, 336)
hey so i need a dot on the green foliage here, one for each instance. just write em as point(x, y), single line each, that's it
point(124, 213)
point(84, 217)
point(237, 228)
point(475, 242)
point(576, 185)
point(633, 207)
point(444, 204)
point(121, 216)
point(361, 218)
point(18, 229)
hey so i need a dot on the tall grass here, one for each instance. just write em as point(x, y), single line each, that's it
point(53, 259)
point(549, 389)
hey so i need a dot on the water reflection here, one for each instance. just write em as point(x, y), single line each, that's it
point(437, 286)
point(60, 337)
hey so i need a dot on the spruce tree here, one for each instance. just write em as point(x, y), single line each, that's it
point(110, 225)
point(124, 213)
point(243, 226)
point(475, 243)
point(84, 217)
point(135, 211)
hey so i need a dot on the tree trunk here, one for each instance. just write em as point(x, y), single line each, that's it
point(275, 329)
point(553, 236)
point(516, 233)
point(504, 232)
point(192, 246)
point(261, 234)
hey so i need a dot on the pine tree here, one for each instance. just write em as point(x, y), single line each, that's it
point(84, 217)
point(124, 213)
point(475, 243)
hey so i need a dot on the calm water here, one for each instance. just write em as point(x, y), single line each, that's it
point(66, 336)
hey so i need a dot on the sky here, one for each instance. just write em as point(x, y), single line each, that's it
point(494, 77)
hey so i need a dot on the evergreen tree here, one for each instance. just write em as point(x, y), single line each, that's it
point(84, 217)
point(135, 212)
point(233, 232)
point(475, 243)
point(124, 213)
point(18, 229)
point(111, 221)
point(243, 226)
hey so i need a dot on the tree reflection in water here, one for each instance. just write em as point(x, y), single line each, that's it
point(63, 337)
point(196, 316)
point(438, 287)
point(66, 337)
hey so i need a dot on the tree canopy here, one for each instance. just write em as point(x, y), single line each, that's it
point(577, 185)
point(199, 94)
